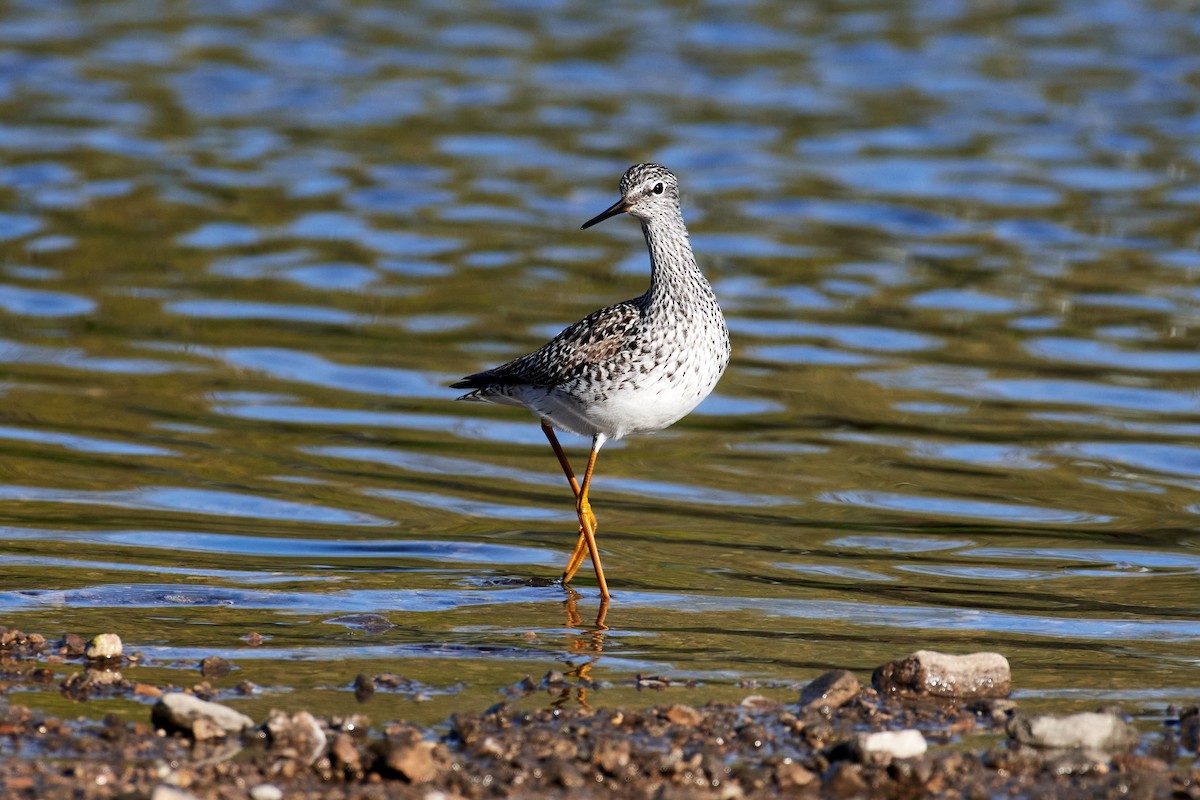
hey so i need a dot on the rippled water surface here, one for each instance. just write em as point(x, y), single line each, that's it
point(245, 248)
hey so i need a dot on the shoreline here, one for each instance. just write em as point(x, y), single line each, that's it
point(925, 725)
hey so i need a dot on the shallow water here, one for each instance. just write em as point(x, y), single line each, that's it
point(245, 249)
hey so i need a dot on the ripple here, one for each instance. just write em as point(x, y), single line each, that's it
point(1165, 459)
point(957, 507)
point(1087, 351)
point(248, 309)
point(966, 301)
point(849, 574)
point(891, 616)
point(75, 358)
point(970, 382)
point(893, 219)
point(41, 303)
point(442, 465)
point(183, 500)
point(14, 226)
point(862, 337)
point(81, 444)
point(300, 367)
point(214, 235)
point(441, 550)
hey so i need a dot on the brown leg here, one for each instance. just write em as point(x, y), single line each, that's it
point(586, 520)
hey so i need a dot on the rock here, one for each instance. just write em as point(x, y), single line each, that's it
point(180, 712)
point(104, 645)
point(73, 645)
point(791, 775)
point(943, 675)
point(266, 791)
point(683, 715)
point(832, 690)
point(1189, 728)
point(215, 667)
point(845, 780)
point(1089, 730)
point(364, 687)
point(405, 752)
point(165, 792)
point(899, 744)
point(346, 756)
point(299, 733)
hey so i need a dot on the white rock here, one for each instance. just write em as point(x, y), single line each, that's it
point(1088, 730)
point(266, 791)
point(105, 645)
point(179, 711)
point(164, 792)
point(899, 744)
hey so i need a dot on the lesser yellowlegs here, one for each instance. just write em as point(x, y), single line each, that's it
point(634, 367)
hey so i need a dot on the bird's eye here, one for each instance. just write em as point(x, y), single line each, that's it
point(658, 188)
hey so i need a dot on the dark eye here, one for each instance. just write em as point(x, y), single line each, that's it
point(658, 188)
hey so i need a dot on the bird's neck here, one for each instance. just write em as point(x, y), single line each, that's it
point(674, 275)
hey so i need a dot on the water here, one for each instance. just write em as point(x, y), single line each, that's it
point(245, 248)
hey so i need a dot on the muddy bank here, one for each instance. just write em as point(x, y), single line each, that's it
point(926, 725)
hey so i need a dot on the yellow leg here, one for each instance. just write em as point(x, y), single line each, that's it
point(587, 522)
point(570, 473)
point(581, 545)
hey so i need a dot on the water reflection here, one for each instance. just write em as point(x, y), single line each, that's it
point(247, 246)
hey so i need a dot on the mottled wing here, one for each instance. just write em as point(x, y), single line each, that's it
point(594, 340)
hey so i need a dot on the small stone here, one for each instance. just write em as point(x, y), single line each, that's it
point(179, 711)
point(299, 732)
point(845, 780)
point(407, 754)
point(266, 791)
point(1189, 728)
point(612, 755)
point(104, 645)
point(792, 775)
point(683, 715)
point(758, 702)
point(364, 687)
point(73, 644)
point(165, 792)
point(204, 729)
point(215, 667)
point(832, 690)
point(1089, 730)
point(942, 675)
point(899, 744)
point(346, 755)
point(254, 639)
point(146, 690)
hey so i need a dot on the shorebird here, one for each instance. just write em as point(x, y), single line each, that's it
point(634, 367)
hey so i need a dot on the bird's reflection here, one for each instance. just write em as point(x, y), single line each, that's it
point(584, 647)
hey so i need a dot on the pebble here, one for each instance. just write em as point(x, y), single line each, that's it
point(943, 675)
point(104, 645)
point(299, 732)
point(899, 744)
point(182, 712)
point(215, 667)
point(832, 690)
point(266, 791)
point(1089, 730)
point(165, 792)
point(406, 753)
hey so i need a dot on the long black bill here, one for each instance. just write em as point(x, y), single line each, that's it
point(619, 207)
